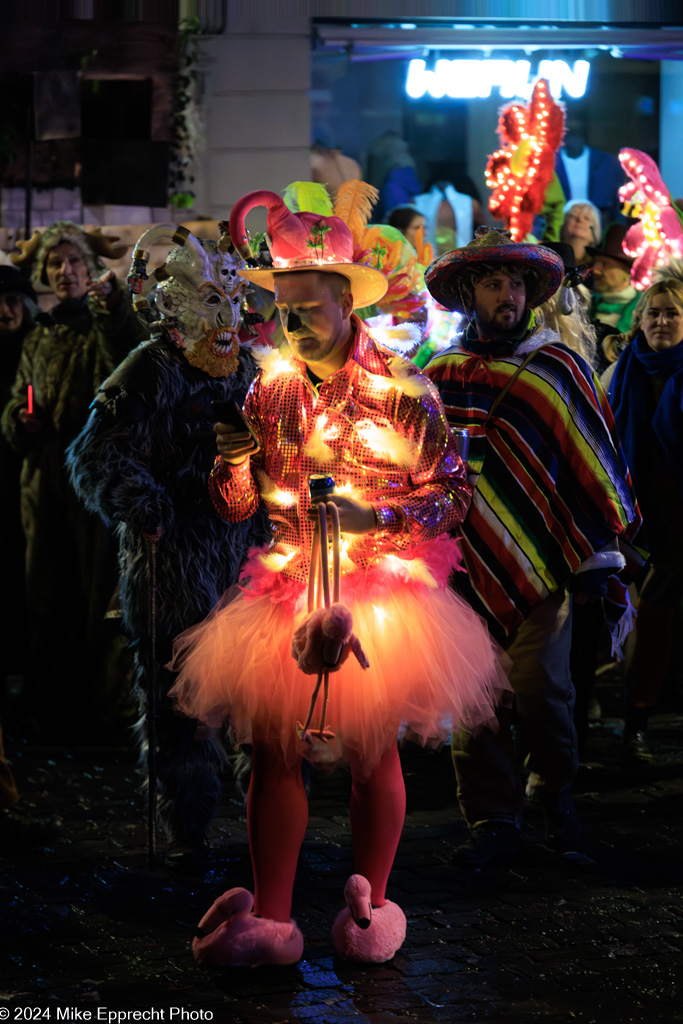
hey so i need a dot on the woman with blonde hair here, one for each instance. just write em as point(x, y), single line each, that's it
point(581, 228)
point(646, 394)
point(614, 344)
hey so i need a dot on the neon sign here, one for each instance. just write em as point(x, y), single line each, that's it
point(473, 79)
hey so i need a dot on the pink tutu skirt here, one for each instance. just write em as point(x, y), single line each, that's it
point(433, 665)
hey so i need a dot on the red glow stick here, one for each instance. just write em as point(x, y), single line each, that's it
point(30, 399)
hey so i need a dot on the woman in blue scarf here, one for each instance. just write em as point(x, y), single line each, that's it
point(646, 394)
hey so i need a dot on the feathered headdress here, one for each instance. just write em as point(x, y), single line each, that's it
point(388, 249)
point(354, 203)
point(323, 238)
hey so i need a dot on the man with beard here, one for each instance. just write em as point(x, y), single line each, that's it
point(141, 462)
point(551, 495)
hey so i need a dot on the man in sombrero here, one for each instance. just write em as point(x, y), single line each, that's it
point(551, 495)
point(335, 405)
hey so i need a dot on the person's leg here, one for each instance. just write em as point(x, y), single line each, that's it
point(544, 695)
point(189, 763)
point(489, 790)
point(371, 928)
point(588, 621)
point(545, 715)
point(489, 785)
point(277, 816)
point(486, 771)
point(190, 760)
point(378, 807)
point(652, 652)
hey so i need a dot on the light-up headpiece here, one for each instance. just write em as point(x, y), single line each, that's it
point(520, 171)
point(658, 237)
point(304, 241)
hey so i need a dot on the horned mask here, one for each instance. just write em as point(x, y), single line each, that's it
point(195, 296)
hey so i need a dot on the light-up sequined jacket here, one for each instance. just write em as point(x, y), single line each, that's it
point(376, 426)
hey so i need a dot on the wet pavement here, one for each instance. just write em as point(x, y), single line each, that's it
point(89, 933)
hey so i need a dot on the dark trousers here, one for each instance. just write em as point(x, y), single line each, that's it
point(486, 763)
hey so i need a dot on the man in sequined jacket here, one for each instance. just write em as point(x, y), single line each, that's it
point(339, 406)
point(354, 439)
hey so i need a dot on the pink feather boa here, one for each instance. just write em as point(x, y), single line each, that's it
point(440, 556)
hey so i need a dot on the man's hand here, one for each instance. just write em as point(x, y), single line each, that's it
point(355, 516)
point(105, 290)
point(233, 446)
point(30, 422)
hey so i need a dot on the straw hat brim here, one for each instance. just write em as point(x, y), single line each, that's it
point(442, 275)
point(368, 285)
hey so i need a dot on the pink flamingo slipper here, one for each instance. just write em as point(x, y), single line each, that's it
point(229, 935)
point(366, 933)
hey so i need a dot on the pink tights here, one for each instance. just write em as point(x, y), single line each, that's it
point(277, 816)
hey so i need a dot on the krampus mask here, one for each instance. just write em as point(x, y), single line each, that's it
point(195, 296)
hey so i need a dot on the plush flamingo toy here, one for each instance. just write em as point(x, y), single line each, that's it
point(324, 640)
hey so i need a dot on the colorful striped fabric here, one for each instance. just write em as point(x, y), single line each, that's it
point(552, 484)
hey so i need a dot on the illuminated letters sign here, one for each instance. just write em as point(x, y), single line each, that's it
point(471, 79)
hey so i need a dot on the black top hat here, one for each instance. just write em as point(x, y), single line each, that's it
point(564, 251)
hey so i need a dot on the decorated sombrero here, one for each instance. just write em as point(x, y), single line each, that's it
point(304, 241)
point(443, 277)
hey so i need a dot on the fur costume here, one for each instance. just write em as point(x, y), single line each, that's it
point(142, 462)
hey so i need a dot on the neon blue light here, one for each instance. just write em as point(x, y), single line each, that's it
point(471, 79)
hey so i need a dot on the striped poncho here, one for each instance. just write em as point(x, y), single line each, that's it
point(552, 486)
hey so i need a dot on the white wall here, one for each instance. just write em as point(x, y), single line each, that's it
point(257, 108)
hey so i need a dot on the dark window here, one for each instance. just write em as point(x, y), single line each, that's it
point(121, 165)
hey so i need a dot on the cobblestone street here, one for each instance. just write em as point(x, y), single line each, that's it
point(591, 937)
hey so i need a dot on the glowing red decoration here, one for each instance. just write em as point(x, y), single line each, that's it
point(658, 237)
point(519, 173)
